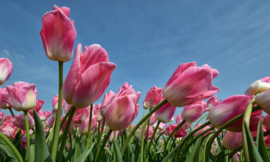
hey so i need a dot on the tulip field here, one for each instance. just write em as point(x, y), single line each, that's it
point(78, 129)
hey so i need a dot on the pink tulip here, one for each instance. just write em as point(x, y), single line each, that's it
point(55, 102)
point(258, 86)
point(232, 140)
point(111, 137)
point(263, 100)
point(49, 122)
point(180, 133)
point(88, 77)
point(194, 111)
point(37, 107)
point(5, 99)
point(212, 102)
point(152, 119)
point(58, 34)
point(122, 110)
point(19, 121)
point(230, 108)
point(161, 126)
point(179, 120)
point(201, 130)
point(150, 133)
point(165, 112)
point(97, 112)
point(108, 98)
point(23, 96)
point(83, 129)
point(71, 126)
point(153, 97)
point(6, 68)
point(189, 84)
point(43, 115)
point(81, 115)
point(2, 116)
point(8, 130)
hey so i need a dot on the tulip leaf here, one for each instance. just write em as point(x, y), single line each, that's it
point(170, 154)
point(253, 153)
point(18, 144)
point(2, 121)
point(41, 148)
point(5, 149)
point(117, 152)
point(32, 156)
point(85, 154)
point(261, 144)
point(194, 153)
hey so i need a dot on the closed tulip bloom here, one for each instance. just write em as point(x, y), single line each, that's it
point(5, 99)
point(189, 84)
point(108, 97)
point(58, 34)
point(232, 140)
point(150, 133)
point(122, 110)
point(194, 111)
point(212, 102)
point(153, 97)
point(19, 121)
point(97, 112)
point(179, 120)
point(55, 102)
point(230, 108)
point(23, 96)
point(258, 86)
point(83, 128)
point(180, 133)
point(37, 107)
point(263, 100)
point(201, 130)
point(80, 115)
point(6, 68)
point(88, 77)
point(161, 126)
point(49, 122)
point(152, 119)
point(71, 126)
point(165, 112)
point(8, 129)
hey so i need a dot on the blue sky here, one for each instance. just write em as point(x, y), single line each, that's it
point(147, 40)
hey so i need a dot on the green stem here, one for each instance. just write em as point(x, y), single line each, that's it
point(142, 140)
point(89, 128)
point(152, 138)
point(64, 119)
point(11, 112)
point(201, 119)
point(27, 136)
point(246, 120)
point(103, 144)
point(174, 131)
point(64, 136)
point(101, 132)
point(220, 130)
point(59, 112)
point(139, 123)
point(12, 147)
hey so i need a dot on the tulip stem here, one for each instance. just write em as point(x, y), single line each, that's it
point(142, 139)
point(246, 119)
point(59, 112)
point(220, 130)
point(64, 136)
point(11, 112)
point(174, 131)
point(141, 122)
point(201, 119)
point(101, 132)
point(27, 136)
point(103, 144)
point(64, 119)
point(152, 138)
point(12, 147)
point(89, 128)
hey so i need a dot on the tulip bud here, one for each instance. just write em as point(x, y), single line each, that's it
point(258, 86)
point(165, 112)
point(83, 129)
point(55, 102)
point(179, 120)
point(71, 126)
point(152, 119)
point(23, 96)
point(212, 102)
point(194, 111)
point(180, 133)
point(263, 100)
point(19, 121)
point(49, 123)
point(6, 68)
point(5, 99)
point(58, 34)
point(232, 140)
point(122, 110)
point(106, 101)
point(189, 84)
point(88, 76)
point(97, 112)
point(153, 97)
point(37, 107)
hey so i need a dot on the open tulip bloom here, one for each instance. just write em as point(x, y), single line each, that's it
point(79, 129)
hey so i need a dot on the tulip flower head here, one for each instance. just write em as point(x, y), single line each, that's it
point(194, 111)
point(108, 97)
point(165, 113)
point(6, 68)
point(58, 34)
point(88, 77)
point(258, 86)
point(5, 99)
point(23, 96)
point(153, 97)
point(189, 84)
point(179, 119)
point(232, 140)
point(180, 133)
point(263, 100)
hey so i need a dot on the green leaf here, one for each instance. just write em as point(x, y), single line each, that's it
point(77, 148)
point(5, 149)
point(41, 149)
point(32, 156)
point(170, 154)
point(108, 151)
point(261, 144)
point(253, 153)
point(85, 154)
point(194, 153)
point(117, 152)
point(18, 144)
